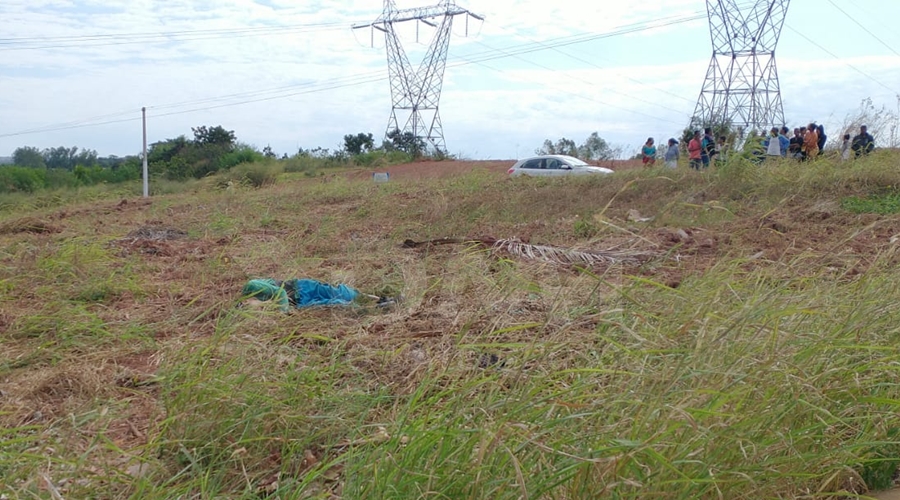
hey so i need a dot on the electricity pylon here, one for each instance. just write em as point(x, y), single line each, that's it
point(741, 87)
point(415, 95)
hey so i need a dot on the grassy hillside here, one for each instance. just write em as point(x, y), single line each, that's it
point(751, 353)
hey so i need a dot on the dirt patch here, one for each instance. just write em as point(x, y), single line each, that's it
point(435, 169)
point(886, 495)
point(122, 206)
point(163, 241)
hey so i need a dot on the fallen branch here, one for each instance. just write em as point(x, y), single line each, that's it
point(545, 253)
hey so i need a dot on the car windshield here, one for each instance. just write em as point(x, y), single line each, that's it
point(575, 162)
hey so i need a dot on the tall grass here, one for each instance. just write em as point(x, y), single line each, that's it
point(754, 374)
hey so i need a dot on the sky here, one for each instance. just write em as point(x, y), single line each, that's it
point(293, 74)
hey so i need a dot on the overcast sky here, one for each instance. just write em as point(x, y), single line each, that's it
point(323, 80)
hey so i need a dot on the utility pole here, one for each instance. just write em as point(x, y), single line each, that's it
point(146, 174)
point(415, 95)
point(741, 89)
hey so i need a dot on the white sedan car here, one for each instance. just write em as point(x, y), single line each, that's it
point(554, 165)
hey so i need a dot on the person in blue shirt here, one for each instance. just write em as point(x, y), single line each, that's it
point(707, 147)
point(648, 153)
point(784, 141)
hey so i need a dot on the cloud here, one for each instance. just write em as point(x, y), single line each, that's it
point(625, 87)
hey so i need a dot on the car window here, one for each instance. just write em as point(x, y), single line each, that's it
point(553, 164)
point(575, 162)
point(535, 163)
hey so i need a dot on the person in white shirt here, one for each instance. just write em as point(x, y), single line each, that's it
point(773, 144)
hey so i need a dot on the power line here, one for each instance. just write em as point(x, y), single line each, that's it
point(587, 37)
point(158, 33)
point(186, 36)
point(276, 90)
point(288, 91)
point(248, 99)
point(872, 16)
point(633, 80)
point(832, 54)
point(365, 78)
point(863, 27)
point(581, 96)
point(592, 84)
point(585, 61)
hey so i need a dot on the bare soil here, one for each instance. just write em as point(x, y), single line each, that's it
point(434, 169)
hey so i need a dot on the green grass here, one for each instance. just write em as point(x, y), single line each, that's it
point(756, 359)
point(884, 204)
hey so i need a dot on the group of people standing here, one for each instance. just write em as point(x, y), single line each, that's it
point(807, 143)
point(702, 150)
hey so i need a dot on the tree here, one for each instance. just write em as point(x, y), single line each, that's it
point(561, 147)
point(406, 142)
point(214, 135)
point(268, 153)
point(28, 156)
point(733, 135)
point(164, 151)
point(359, 143)
point(61, 157)
point(595, 148)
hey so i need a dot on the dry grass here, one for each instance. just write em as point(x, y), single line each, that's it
point(739, 344)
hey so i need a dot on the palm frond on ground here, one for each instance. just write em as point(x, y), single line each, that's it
point(546, 253)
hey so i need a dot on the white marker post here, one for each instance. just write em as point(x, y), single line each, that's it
point(146, 175)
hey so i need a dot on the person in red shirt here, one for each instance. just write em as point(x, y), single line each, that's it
point(694, 150)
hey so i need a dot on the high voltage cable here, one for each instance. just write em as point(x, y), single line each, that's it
point(472, 58)
point(870, 15)
point(882, 42)
point(593, 84)
point(475, 58)
point(347, 82)
point(175, 38)
point(589, 37)
point(581, 96)
point(35, 39)
point(585, 61)
point(699, 15)
point(832, 54)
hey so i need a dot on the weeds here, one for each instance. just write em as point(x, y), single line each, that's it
point(753, 356)
point(873, 204)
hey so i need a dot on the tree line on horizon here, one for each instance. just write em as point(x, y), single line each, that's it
point(211, 150)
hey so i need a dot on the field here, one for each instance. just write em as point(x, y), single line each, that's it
point(652, 334)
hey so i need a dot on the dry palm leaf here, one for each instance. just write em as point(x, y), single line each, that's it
point(545, 253)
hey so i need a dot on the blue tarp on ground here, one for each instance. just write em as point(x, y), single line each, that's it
point(299, 292)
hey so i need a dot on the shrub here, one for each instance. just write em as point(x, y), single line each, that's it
point(253, 174)
point(380, 158)
point(245, 154)
point(22, 179)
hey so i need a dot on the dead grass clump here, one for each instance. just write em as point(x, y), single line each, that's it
point(157, 233)
point(27, 225)
point(52, 392)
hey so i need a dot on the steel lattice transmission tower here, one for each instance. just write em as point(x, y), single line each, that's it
point(741, 87)
point(416, 94)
